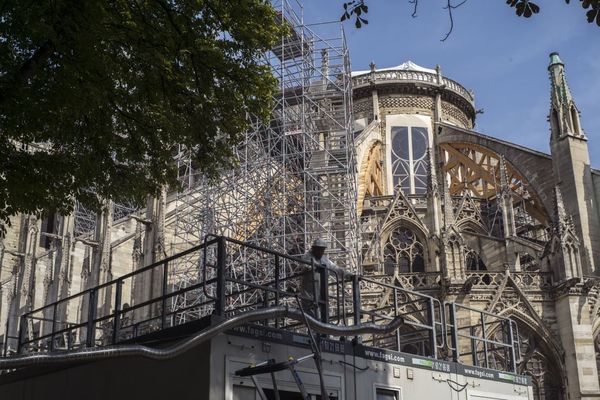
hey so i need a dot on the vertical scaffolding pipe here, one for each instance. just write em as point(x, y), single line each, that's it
point(221, 265)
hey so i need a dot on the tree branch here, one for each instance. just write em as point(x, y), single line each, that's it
point(450, 7)
point(415, 4)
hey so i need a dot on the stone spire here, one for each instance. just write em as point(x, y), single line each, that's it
point(571, 166)
point(564, 115)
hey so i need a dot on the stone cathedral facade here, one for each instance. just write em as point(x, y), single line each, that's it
point(477, 220)
point(442, 209)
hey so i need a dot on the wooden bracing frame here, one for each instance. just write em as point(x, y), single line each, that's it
point(374, 175)
point(477, 169)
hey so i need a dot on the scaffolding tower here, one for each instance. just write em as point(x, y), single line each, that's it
point(295, 181)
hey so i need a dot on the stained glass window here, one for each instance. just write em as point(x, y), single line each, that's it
point(409, 161)
point(404, 251)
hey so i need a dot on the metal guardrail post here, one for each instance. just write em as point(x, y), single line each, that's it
point(53, 327)
point(20, 340)
point(221, 265)
point(513, 358)
point(474, 355)
point(395, 315)
point(356, 299)
point(324, 300)
point(116, 315)
point(277, 272)
point(484, 341)
point(315, 290)
point(91, 318)
point(266, 294)
point(165, 289)
point(431, 321)
point(454, 333)
point(5, 344)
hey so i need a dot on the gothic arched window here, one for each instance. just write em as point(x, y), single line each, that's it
point(555, 122)
point(404, 252)
point(409, 161)
point(534, 360)
point(535, 363)
point(528, 262)
point(473, 261)
point(575, 119)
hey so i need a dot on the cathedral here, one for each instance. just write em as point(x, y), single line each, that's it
point(470, 217)
point(400, 186)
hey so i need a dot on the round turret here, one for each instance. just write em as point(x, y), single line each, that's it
point(411, 89)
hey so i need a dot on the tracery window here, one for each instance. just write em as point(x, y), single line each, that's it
point(544, 376)
point(528, 262)
point(473, 261)
point(534, 360)
point(409, 158)
point(404, 252)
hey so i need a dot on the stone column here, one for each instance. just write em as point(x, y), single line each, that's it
point(575, 329)
point(434, 214)
point(148, 285)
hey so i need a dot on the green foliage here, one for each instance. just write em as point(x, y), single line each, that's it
point(593, 10)
point(358, 8)
point(96, 95)
point(524, 8)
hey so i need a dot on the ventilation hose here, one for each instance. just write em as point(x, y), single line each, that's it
point(138, 350)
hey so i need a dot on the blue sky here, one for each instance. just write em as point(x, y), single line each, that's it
point(501, 57)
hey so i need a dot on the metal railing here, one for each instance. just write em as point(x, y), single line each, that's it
point(422, 332)
point(152, 299)
point(413, 76)
point(107, 314)
point(481, 339)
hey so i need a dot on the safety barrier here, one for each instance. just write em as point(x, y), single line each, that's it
point(209, 280)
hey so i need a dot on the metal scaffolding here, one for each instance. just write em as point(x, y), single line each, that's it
point(295, 181)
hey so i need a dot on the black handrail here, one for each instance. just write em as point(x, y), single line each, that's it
point(428, 319)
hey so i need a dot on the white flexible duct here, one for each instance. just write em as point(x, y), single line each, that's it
point(207, 334)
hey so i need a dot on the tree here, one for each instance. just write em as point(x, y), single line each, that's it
point(523, 8)
point(96, 95)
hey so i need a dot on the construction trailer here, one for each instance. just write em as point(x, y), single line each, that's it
point(271, 346)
